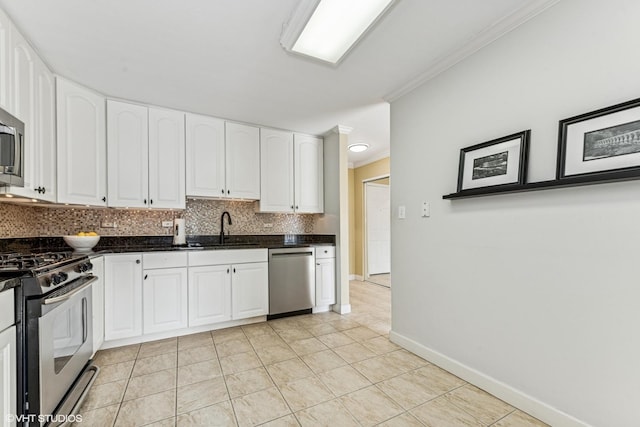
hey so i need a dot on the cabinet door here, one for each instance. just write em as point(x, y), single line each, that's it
point(82, 149)
point(209, 294)
point(276, 171)
point(127, 155)
point(98, 303)
point(242, 148)
point(165, 299)
point(122, 296)
point(205, 156)
point(24, 104)
point(325, 282)
point(8, 375)
point(249, 290)
point(5, 63)
point(309, 176)
point(166, 159)
point(45, 138)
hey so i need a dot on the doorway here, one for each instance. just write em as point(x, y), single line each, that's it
point(377, 231)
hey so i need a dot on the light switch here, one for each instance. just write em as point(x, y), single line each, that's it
point(402, 214)
point(426, 211)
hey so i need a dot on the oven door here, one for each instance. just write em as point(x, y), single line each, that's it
point(66, 342)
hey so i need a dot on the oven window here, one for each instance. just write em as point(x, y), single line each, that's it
point(68, 333)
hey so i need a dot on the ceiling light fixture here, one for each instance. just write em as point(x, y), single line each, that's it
point(328, 29)
point(358, 147)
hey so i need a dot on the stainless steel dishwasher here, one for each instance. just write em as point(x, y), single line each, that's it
point(292, 281)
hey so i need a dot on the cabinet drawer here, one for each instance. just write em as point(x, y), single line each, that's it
point(325, 252)
point(230, 256)
point(164, 260)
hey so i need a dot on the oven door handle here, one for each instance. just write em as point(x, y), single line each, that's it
point(69, 294)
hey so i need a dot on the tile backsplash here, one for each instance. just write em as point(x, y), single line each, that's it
point(202, 217)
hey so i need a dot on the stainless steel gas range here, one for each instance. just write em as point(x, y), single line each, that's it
point(54, 334)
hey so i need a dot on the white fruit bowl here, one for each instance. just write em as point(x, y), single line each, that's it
point(81, 243)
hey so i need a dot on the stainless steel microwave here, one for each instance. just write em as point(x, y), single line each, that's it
point(11, 150)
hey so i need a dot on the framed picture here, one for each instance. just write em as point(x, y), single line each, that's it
point(502, 161)
point(603, 141)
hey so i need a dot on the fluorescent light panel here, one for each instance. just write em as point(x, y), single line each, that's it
point(336, 25)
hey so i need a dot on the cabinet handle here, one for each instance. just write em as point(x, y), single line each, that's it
point(44, 190)
point(317, 263)
point(145, 276)
point(227, 271)
point(234, 269)
point(137, 261)
point(104, 199)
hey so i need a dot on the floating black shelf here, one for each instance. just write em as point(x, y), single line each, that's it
point(575, 181)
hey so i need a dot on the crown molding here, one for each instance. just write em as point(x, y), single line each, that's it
point(484, 38)
point(341, 130)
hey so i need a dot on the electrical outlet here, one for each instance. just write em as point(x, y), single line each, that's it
point(167, 224)
point(109, 224)
point(426, 210)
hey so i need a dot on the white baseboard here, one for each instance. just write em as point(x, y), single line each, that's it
point(342, 309)
point(514, 397)
point(356, 277)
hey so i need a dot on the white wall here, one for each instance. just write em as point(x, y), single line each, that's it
point(535, 295)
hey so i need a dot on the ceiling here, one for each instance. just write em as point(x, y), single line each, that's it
point(223, 58)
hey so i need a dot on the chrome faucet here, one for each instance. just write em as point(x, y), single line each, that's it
point(222, 225)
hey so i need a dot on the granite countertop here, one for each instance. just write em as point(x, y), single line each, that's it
point(124, 244)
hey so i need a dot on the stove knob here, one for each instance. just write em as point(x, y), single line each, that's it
point(63, 276)
point(58, 278)
point(88, 266)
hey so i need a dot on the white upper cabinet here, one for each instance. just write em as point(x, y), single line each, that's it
point(205, 156)
point(82, 149)
point(242, 161)
point(276, 171)
point(223, 159)
point(24, 98)
point(309, 177)
point(292, 177)
point(44, 145)
point(146, 154)
point(33, 101)
point(5, 62)
point(127, 154)
point(166, 159)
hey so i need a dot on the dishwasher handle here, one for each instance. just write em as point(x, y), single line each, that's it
point(278, 254)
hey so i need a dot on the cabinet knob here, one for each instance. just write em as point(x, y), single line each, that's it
point(44, 190)
point(234, 270)
point(223, 191)
point(227, 271)
point(151, 201)
point(137, 261)
point(291, 206)
point(145, 276)
point(144, 201)
point(228, 191)
point(296, 206)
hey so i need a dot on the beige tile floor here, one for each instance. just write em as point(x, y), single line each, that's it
point(313, 370)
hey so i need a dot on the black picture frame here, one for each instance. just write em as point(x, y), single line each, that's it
point(604, 143)
point(492, 163)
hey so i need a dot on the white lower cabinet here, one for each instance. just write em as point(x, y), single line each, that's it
point(325, 276)
point(122, 296)
point(98, 302)
point(8, 376)
point(7, 359)
point(209, 294)
point(227, 285)
point(164, 292)
point(249, 290)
